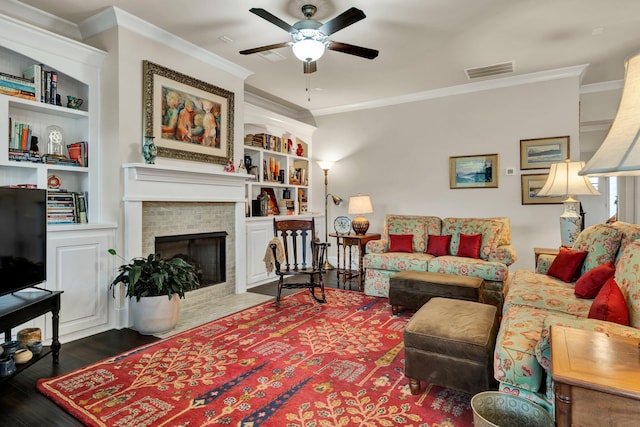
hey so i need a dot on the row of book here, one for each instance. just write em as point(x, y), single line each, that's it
point(269, 142)
point(65, 207)
point(36, 84)
point(20, 137)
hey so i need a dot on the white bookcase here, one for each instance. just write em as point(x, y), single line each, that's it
point(77, 258)
point(260, 228)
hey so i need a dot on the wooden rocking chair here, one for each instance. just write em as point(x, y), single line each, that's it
point(303, 256)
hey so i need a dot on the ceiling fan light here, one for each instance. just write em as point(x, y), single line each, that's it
point(308, 50)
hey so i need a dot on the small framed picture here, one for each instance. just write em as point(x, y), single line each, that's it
point(542, 152)
point(479, 171)
point(531, 184)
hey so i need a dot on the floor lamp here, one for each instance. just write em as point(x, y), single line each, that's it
point(326, 165)
point(564, 181)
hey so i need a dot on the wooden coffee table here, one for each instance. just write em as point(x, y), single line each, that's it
point(597, 378)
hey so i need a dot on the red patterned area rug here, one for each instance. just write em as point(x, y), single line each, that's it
point(303, 364)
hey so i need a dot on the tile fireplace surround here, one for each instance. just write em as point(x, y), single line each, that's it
point(166, 200)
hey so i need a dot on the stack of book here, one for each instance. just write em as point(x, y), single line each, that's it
point(17, 86)
point(25, 156)
point(64, 207)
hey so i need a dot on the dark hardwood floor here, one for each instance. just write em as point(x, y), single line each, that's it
point(22, 405)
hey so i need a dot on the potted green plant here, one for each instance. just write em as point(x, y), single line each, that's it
point(155, 286)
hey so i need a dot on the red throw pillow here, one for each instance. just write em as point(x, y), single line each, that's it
point(401, 243)
point(438, 245)
point(469, 245)
point(588, 285)
point(610, 305)
point(566, 264)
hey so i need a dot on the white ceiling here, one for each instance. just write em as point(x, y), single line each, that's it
point(423, 44)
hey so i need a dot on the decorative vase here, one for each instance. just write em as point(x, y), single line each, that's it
point(149, 150)
point(155, 315)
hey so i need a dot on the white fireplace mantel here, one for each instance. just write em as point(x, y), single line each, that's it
point(159, 183)
point(145, 182)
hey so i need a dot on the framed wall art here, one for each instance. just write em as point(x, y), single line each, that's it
point(531, 184)
point(542, 152)
point(479, 171)
point(189, 118)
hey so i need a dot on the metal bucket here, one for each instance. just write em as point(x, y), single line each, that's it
point(496, 409)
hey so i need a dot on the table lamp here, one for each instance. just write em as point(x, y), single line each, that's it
point(564, 181)
point(359, 205)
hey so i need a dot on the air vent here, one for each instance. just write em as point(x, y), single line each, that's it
point(272, 56)
point(490, 70)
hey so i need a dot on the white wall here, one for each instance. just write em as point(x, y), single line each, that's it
point(400, 156)
point(122, 122)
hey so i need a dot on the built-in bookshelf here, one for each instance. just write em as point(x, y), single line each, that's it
point(66, 160)
point(276, 155)
point(46, 128)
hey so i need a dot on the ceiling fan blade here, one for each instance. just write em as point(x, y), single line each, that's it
point(273, 19)
point(310, 67)
point(363, 52)
point(345, 19)
point(263, 48)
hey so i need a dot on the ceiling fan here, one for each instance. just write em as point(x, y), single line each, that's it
point(310, 37)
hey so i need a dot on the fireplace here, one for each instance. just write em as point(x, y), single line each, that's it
point(205, 251)
point(164, 200)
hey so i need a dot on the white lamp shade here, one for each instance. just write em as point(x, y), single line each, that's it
point(564, 180)
point(359, 205)
point(308, 50)
point(619, 153)
point(325, 164)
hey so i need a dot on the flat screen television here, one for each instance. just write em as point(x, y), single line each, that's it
point(23, 238)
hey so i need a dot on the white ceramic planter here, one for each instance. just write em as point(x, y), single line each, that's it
point(155, 315)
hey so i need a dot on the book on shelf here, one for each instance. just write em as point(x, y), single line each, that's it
point(18, 93)
point(78, 152)
point(66, 207)
point(20, 137)
point(16, 79)
point(34, 74)
point(54, 87)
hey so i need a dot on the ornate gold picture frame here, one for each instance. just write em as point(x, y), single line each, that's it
point(189, 118)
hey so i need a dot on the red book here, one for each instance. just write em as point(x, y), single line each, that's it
point(25, 138)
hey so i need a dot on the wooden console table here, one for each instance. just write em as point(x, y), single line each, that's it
point(596, 377)
point(345, 241)
point(20, 307)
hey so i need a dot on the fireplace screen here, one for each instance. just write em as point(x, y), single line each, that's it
point(205, 251)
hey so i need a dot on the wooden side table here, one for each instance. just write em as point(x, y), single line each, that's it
point(349, 241)
point(596, 376)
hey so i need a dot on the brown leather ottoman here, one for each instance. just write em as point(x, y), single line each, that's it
point(450, 343)
point(411, 289)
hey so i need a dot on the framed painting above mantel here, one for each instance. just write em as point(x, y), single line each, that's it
point(189, 118)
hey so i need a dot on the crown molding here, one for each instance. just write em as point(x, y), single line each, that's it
point(40, 18)
point(541, 76)
point(602, 87)
point(114, 17)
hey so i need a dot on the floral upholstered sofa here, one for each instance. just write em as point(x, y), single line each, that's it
point(492, 264)
point(535, 301)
